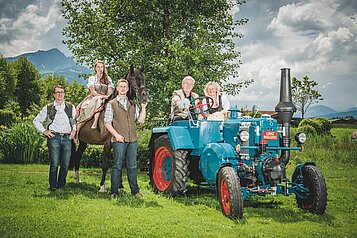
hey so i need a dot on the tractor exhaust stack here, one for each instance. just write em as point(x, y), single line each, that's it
point(285, 110)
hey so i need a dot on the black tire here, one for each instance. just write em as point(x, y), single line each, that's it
point(313, 179)
point(229, 193)
point(195, 173)
point(169, 169)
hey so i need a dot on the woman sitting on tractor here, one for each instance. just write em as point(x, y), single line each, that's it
point(220, 106)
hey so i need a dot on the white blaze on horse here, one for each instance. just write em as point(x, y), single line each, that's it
point(101, 135)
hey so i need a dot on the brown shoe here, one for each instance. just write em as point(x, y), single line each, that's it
point(138, 195)
point(114, 196)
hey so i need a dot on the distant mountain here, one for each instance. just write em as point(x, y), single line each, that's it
point(348, 113)
point(53, 61)
point(327, 112)
point(351, 109)
point(318, 110)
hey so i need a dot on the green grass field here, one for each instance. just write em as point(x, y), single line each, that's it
point(28, 209)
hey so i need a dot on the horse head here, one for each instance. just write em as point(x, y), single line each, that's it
point(137, 87)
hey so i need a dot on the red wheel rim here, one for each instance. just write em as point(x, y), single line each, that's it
point(226, 205)
point(162, 168)
point(307, 205)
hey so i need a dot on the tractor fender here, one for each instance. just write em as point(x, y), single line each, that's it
point(299, 167)
point(179, 137)
point(213, 157)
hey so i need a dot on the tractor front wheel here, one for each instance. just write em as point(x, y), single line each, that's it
point(168, 168)
point(312, 178)
point(230, 195)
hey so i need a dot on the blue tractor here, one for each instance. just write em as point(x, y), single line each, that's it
point(240, 157)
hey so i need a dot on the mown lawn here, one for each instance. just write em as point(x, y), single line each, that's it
point(28, 209)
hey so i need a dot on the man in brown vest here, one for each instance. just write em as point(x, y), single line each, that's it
point(120, 118)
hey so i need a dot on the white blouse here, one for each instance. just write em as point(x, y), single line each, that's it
point(93, 80)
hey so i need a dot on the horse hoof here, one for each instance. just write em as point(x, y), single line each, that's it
point(102, 189)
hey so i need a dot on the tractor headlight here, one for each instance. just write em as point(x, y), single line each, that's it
point(300, 137)
point(244, 136)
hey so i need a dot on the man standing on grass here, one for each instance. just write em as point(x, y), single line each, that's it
point(56, 121)
point(119, 118)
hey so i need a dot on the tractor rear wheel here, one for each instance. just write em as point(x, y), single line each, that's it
point(314, 180)
point(169, 168)
point(230, 195)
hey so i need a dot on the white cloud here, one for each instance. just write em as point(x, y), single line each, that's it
point(303, 19)
point(27, 31)
point(314, 38)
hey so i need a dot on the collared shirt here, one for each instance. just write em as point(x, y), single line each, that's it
point(108, 115)
point(59, 124)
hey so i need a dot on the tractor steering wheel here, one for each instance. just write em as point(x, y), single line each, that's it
point(198, 104)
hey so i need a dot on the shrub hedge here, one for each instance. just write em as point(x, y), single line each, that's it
point(321, 125)
point(22, 144)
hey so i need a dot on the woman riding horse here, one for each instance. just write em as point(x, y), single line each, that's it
point(101, 136)
point(101, 87)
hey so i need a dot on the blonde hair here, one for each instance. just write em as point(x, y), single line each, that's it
point(211, 83)
point(122, 81)
point(188, 78)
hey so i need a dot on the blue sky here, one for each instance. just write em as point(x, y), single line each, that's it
point(317, 38)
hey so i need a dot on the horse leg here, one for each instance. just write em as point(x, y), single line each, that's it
point(73, 156)
point(107, 148)
point(78, 155)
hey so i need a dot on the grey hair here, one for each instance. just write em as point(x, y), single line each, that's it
point(216, 85)
point(187, 78)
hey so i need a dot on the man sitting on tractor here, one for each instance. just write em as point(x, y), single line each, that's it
point(183, 99)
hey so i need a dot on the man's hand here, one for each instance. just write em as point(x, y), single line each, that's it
point(48, 134)
point(119, 138)
point(73, 133)
point(184, 104)
point(143, 105)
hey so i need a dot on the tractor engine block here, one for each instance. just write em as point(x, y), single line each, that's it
point(273, 170)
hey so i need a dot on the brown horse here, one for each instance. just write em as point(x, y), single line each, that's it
point(101, 135)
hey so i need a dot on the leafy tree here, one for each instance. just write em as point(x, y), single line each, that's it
point(304, 94)
point(7, 83)
point(171, 39)
point(27, 90)
point(76, 92)
point(47, 85)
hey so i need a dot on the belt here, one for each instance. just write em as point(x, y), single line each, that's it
point(61, 134)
